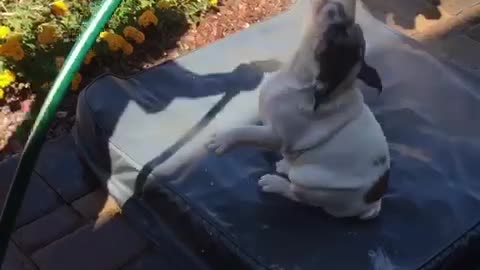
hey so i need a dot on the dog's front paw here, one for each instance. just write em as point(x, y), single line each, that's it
point(282, 167)
point(220, 142)
point(274, 184)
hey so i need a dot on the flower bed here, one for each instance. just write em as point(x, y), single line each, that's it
point(36, 36)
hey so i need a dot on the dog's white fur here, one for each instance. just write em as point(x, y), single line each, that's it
point(329, 153)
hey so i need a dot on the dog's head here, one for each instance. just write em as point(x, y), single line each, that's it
point(339, 48)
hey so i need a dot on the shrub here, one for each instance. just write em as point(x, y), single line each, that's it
point(36, 35)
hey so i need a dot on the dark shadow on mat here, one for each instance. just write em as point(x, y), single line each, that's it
point(254, 70)
point(404, 12)
point(246, 77)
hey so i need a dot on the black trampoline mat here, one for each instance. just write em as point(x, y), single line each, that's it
point(144, 137)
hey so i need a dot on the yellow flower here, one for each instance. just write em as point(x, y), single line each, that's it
point(59, 61)
point(147, 18)
point(213, 2)
point(59, 8)
point(12, 48)
point(4, 32)
point(6, 78)
point(133, 33)
point(104, 34)
point(89, 57)
point(76, 81)
point(127, 49)
point(48, 35)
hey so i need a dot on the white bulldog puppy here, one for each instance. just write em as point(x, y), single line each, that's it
point(335, 154)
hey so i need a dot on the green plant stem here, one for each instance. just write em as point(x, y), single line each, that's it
point(45, 117)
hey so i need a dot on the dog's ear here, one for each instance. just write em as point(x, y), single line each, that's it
point(370, 76)
point(367, 74)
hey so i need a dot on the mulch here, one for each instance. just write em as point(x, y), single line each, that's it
point(231, 16)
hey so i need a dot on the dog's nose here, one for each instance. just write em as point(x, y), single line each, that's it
point(349, 7)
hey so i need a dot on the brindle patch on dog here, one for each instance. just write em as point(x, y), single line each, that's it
point(378, 189)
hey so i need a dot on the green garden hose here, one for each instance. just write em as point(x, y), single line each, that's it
point(45, 117)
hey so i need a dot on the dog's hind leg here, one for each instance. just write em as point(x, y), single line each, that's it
point(307, 188)
point(276, 184)
point(272, 183)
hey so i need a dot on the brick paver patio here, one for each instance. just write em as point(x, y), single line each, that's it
point(67, 221)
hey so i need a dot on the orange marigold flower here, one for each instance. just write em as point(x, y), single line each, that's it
point(89, 57)
point(12, 48)
point(133, 33)
point(59, 8)
point(18, 54)
point(120, 41)
point(115, 42)
point(47, 35)
point(76, 81)
point(127, 49)
point(147, 18)
point(15, 39)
